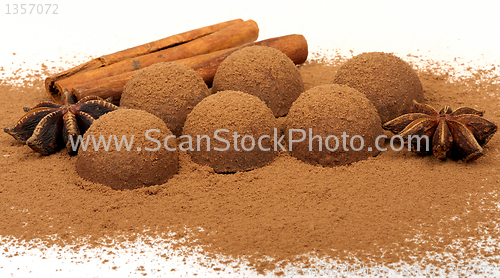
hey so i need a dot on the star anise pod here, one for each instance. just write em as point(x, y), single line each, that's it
point(459, 134)
point(48, 126)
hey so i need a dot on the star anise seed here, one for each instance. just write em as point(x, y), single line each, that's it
point(460, 133)
point(48, 126)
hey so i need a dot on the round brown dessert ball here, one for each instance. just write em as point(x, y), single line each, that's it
point(387, 81)
point(167, 90)
point(242, 120)
point(146, 162)
point(333, 111)
point(264, 72)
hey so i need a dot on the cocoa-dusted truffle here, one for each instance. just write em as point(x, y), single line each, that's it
point(167, 90)
point(229, 115)
point(333, 111)
point(386, 80)
point(146, 162)
point(264, 72)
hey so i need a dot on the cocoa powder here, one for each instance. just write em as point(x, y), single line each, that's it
point(395, 208)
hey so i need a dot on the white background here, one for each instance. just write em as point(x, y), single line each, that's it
point(454, 31)
point(469, 30)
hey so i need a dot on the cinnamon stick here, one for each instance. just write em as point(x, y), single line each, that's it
point(294, 46)
point(166, 42)
point(190, 42)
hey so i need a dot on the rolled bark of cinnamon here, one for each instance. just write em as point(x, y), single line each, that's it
point(199, 41)
point(166, 42)
point(293, 46)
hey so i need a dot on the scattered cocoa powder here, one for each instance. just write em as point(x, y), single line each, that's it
point(397, 207)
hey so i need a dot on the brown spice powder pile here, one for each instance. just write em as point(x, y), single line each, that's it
point(397, 207)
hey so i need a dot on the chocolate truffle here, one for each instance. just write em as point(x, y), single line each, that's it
point(387, 81)
point(235, 117)
point(167, 90)
point(138, 162)
point(341, 116)
point(264, 72)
